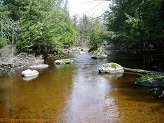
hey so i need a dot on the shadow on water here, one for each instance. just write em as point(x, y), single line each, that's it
point(146, 60)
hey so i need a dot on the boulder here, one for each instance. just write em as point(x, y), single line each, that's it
point(111, 68)
point(63, 61)
point(29, 73)
point(98, 54)
point(39, 66)
point(151, 81)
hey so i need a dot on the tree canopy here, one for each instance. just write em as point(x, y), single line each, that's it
point(44, 25)
point(135, 22)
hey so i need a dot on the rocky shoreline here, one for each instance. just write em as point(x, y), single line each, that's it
point(19, 62)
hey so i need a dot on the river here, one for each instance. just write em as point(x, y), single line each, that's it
point(76, 93)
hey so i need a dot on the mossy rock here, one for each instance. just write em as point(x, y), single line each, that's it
point(63, 61)
point(151, 81)
point(111, 68)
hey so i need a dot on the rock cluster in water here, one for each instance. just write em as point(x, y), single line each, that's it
point(30, 74)
point(63, 61)
point(156, 82)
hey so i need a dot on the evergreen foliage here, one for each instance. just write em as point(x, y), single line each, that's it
point(45, 25)
point(131, 23)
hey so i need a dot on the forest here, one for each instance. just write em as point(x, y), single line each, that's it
point(45, 26)
point(138, 24)
point(36, 26)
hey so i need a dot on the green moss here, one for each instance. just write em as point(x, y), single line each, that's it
point(156, 77)
point(113, 65)
point(66, 60)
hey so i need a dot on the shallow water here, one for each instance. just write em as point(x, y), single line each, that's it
point(77, 94)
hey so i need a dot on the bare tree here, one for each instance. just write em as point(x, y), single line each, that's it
point(9, 30)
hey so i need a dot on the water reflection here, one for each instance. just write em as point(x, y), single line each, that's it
point(145, 60)
point(43, 97)
point(29, 78)
point(91, 99)
point(77, 94)
point(112, 76)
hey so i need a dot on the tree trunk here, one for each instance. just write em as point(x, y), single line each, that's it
point(12, 44)
point(137, 70)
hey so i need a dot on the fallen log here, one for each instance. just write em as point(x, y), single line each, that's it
point(141, 71)
point(137, 70)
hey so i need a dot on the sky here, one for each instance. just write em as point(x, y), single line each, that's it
point(89, 7)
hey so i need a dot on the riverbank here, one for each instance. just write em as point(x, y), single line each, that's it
point(18, 62)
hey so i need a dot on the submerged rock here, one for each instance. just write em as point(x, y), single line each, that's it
point(111, 68)
point(39, 66)
point(63, 61)
point(151, 81)
point(30, 73)
point(2, 90)
point(156, 92)
point(98, 54)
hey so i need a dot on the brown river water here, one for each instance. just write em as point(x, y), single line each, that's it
point(76, 93)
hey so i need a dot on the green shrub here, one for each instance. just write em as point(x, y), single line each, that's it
point(3, 42)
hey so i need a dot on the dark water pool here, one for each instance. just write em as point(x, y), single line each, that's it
point(131, 59)
point(77, 94)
